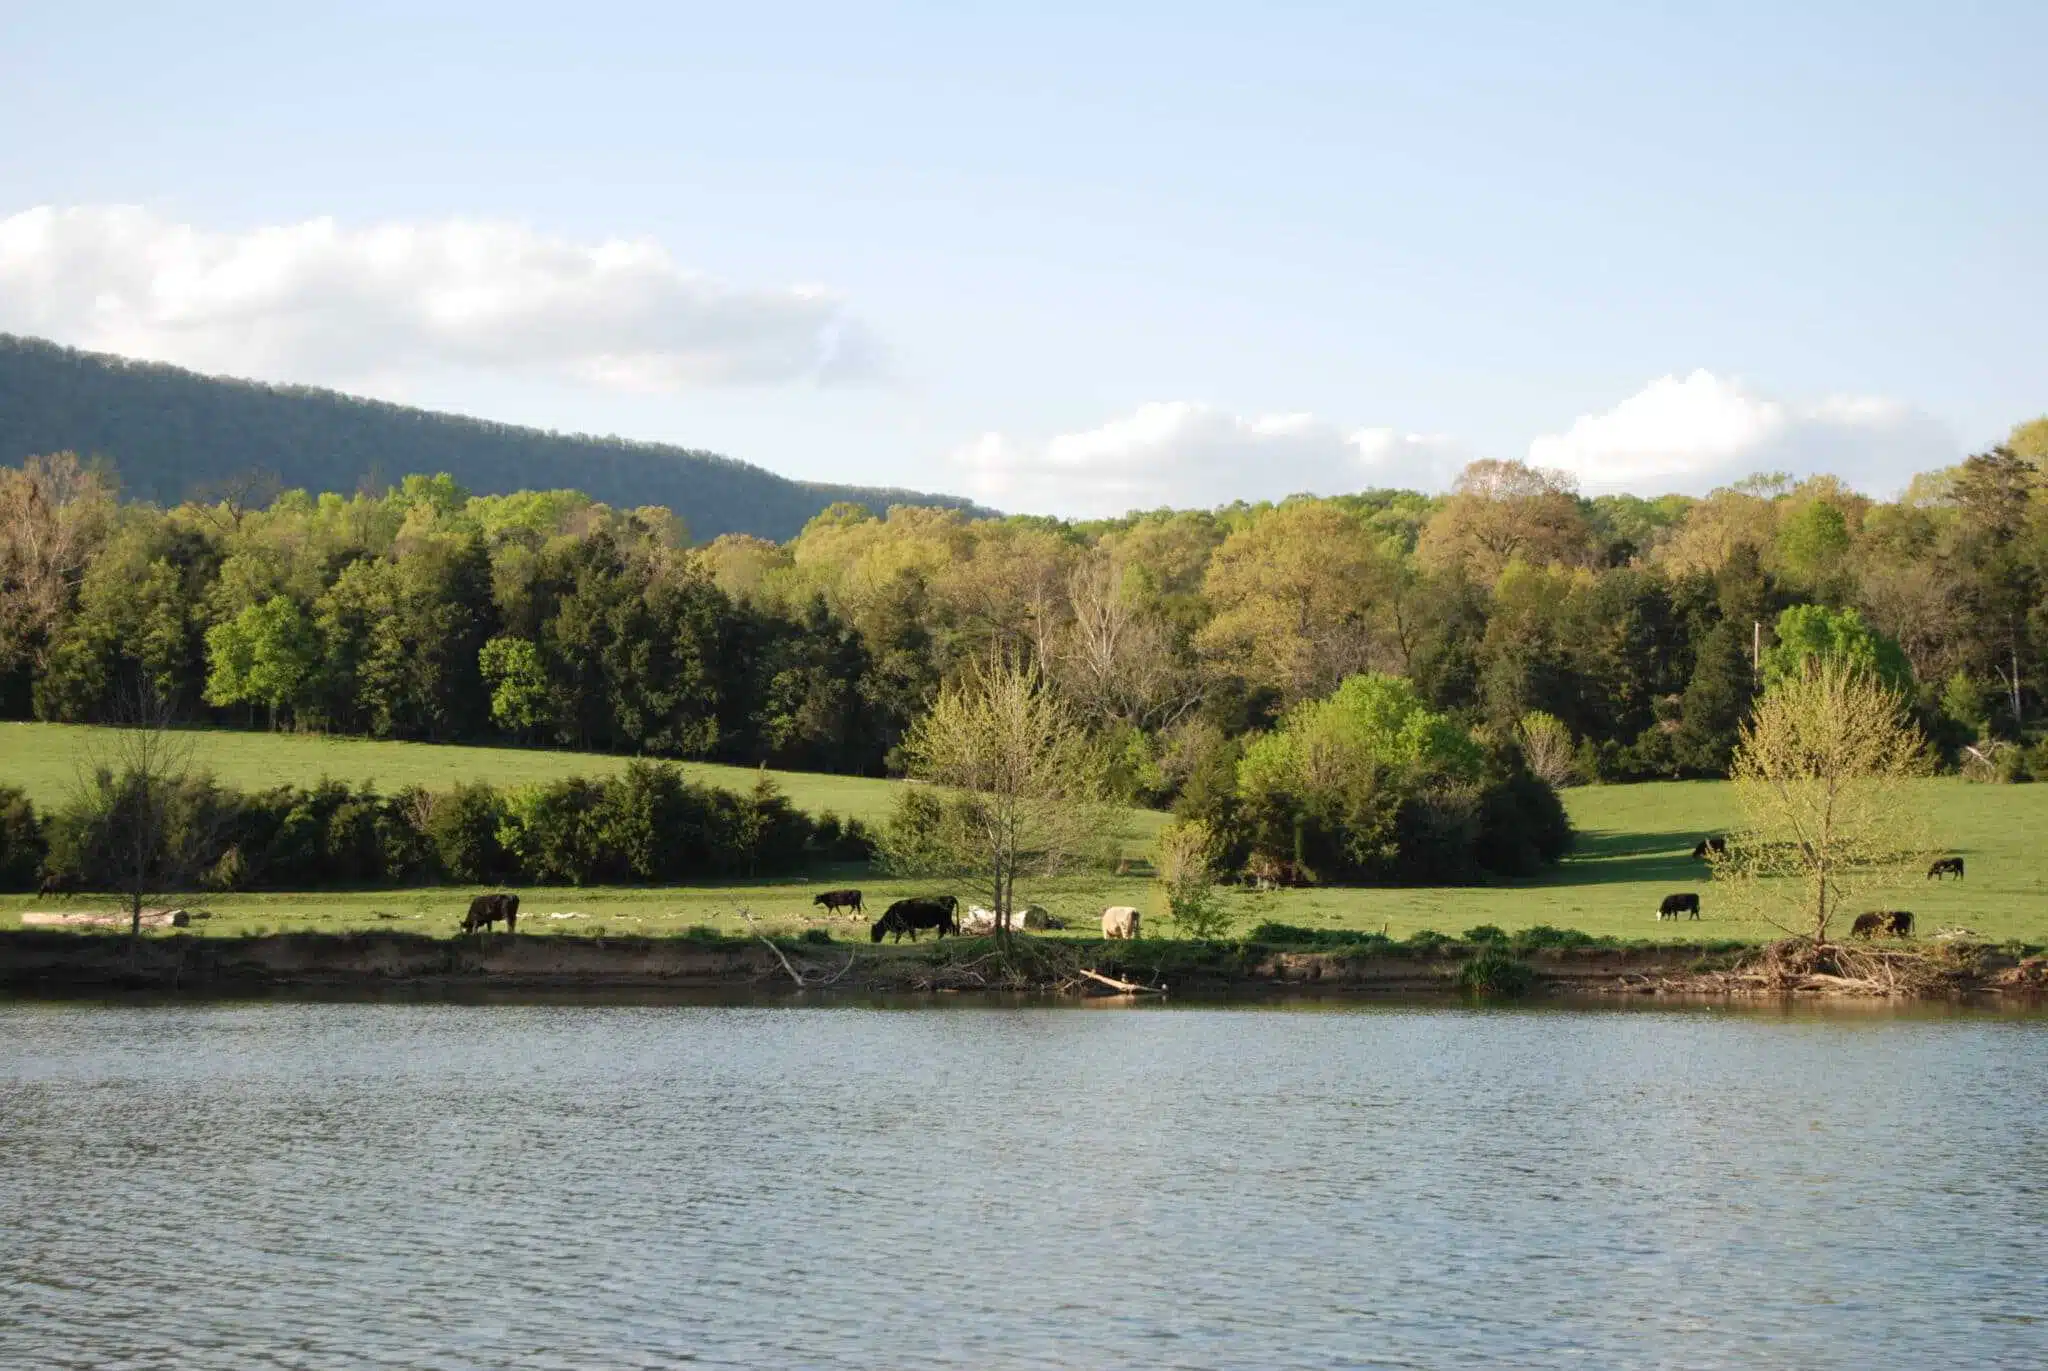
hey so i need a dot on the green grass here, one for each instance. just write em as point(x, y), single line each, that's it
point(43, 760)
point(1634, 846)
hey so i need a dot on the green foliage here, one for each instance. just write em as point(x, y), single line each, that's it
point(1716, 701)
point(22, 844)
point(1496, 973)
point(1186, 851)
point(1815, 633)
point(1270, 934)
point(463, 826)
point(1537, 936)
point(519, 685)
point(263, 656)
point(1486, 933)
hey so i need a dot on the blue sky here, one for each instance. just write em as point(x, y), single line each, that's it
point(1071, 258)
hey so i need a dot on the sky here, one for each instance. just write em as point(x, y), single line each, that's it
point(1070, 259)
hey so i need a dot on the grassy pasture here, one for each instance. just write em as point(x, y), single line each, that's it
point(1634, 846)
point(43, 760)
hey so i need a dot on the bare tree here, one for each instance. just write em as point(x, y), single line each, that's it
point(53, 512)
point(143, 829)
point(1027, 793)
point(1822, 774)
point(1116, 661)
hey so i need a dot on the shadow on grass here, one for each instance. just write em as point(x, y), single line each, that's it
point(1602, 844)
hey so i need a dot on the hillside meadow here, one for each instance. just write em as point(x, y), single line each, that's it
point(1634, 847)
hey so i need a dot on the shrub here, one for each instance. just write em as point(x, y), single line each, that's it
point(464, 830)
point(1429, 941)
point(1495, 973)
point(1486, 933)
point(22, 844)
point(1186, 861)
point(913, 842)
point(1543, 935)
point(1293, 935)
point(817, 936)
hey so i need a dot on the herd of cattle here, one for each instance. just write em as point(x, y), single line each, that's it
point(1892, 923)
point(941, 913)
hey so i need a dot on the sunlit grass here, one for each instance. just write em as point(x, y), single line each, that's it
point(1635, 845)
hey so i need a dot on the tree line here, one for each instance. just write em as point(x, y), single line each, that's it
point(141, 828)
point(1611, 638)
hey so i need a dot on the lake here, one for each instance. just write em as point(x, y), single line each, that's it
point(580, 1184)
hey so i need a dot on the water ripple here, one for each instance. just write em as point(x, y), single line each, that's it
point(562, 1187)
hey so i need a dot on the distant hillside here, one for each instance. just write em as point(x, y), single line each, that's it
point(171, 433)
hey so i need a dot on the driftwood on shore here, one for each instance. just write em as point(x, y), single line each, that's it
point(72, 918)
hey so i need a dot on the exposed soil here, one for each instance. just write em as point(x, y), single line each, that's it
point(53, 962)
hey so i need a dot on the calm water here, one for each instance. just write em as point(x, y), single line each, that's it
point(591, 1186)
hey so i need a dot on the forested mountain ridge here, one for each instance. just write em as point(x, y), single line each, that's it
point(172, 434)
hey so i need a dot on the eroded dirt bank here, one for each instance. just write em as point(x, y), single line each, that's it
point(65, 963)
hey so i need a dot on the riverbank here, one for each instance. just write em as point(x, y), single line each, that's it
point(65, 963)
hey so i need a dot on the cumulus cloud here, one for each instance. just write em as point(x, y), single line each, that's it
point(1186, 454)
point(1691, 434)
point(320, 301)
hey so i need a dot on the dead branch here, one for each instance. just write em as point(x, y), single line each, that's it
point(803, 982)
point(1123, 987)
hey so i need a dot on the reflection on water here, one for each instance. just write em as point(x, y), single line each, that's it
point(572, 1184)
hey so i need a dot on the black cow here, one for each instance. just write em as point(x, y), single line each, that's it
point(1899, 923)
point(1717, 846)
point(1675, 905)
point(836, 900)
point(1867, 926)
point(909, 916)
point(1944, 867)
point(486, 910)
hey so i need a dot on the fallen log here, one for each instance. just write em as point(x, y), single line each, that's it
point(151, 918)
point(1124, 987)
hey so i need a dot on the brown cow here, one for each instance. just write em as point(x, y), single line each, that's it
point(486, 910)
point(1867, 926)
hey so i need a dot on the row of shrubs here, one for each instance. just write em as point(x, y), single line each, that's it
point(648, 824)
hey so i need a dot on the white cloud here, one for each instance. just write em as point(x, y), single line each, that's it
point(316, 301)
point(1191, 455)
point(1704, 430)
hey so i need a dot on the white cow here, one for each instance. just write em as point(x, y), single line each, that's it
point(1119, 921)
point(978, 920)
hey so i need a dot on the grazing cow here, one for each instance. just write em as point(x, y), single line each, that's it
point(1675, 905)
point(836, 900)
point(486, 910)
point(1867, 926)
point(1119, 921)
point(909, 916)
point(1031, 916)
point(1946, 866)
point(1899, 923)
point(1716, 846)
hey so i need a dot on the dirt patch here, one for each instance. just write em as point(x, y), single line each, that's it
point(61, 962)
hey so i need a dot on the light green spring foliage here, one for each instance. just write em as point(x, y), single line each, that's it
point(1815, 633)
point(1548, 748)
point(519, 684)
point(1823, 777)
point(262, 656)
point(1184, 856)
point(1370, 721)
